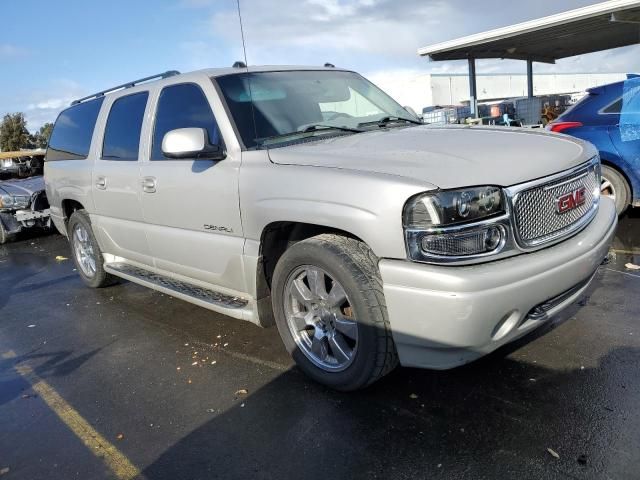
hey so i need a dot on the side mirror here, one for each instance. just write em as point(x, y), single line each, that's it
point(190, 143)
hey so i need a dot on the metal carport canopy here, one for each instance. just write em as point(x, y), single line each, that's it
point(602, 26)
point(606, 25)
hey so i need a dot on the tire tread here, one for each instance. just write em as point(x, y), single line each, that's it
point(364, 265)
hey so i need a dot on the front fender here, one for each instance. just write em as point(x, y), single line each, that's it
point(367, 205)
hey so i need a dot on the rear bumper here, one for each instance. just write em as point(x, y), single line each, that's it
point(443, 316)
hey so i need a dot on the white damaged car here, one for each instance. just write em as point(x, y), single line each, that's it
point(23, 205)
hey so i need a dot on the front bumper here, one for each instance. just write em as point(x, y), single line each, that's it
point(445, 316)
point(14, 221)
point(12, 170)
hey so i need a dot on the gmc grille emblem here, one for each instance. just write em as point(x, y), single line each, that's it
point(572, 200)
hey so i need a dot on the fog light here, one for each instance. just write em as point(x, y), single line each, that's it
point(466, 242)
point(492, 238)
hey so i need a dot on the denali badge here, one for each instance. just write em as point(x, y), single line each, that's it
point(216, 228)
point(571, 200)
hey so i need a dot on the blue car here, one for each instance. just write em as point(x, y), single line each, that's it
point(609, 117)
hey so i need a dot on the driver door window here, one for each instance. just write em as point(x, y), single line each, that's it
point(182, 106)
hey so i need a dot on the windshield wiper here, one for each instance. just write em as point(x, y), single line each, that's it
point(384, 121)
point(307, 130)
point(314, 127)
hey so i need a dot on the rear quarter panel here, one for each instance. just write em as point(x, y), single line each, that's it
point(67, 180)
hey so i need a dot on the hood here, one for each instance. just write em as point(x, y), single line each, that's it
point(23, 186)
point(448, 157)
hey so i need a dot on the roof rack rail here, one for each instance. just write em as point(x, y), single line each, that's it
point(167, 74)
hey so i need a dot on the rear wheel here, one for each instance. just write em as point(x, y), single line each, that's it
point(615, 186)
point(330, 311)
point(86, 251)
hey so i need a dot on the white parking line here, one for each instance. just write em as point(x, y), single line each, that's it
point(623, 273)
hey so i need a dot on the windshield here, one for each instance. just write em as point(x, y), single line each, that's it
point(291, 105)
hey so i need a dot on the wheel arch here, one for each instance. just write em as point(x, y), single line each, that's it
point(275, 238)
point(615, 166)
point(69, 206)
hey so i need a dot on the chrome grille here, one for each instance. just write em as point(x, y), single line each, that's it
point(536, 218)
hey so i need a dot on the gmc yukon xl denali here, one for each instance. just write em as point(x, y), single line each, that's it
point(308, 198)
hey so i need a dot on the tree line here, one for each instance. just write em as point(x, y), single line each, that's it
point(15, 136)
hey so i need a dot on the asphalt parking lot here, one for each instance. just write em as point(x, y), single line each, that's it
point(125, 382)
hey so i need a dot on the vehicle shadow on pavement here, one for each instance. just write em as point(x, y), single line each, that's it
point(18, 267)
point(56, 364)
point(490, 419)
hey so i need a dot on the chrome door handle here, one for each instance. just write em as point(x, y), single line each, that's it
point(149, 185)
point(101, 183)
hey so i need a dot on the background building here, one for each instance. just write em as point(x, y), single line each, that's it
point(425, 90)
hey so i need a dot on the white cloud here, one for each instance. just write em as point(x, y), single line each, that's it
point(44, 105)
point(385, 34)
point(305, 29)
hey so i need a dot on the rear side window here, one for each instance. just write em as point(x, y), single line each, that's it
point(122, 133)
point(71, 136)
point(615, 107)
point(182, 106)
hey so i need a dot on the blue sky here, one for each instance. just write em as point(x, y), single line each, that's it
point(52, 52)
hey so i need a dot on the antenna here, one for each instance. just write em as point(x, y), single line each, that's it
point(246, 62)
point(244, 47)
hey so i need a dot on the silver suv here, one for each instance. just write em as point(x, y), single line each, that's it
point(308, 198)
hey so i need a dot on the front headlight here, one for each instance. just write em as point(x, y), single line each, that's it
point(453, 225)
point(6, 201)
point(450, 207)
point(10, 201)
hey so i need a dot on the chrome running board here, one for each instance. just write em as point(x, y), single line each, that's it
point(188, 291)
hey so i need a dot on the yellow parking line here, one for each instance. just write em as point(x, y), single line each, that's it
point(120, 465)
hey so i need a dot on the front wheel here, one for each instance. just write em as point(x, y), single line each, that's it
point(5, 237)
point(615, 186)
point(330, 311)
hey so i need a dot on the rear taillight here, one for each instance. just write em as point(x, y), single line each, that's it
point(562, 126)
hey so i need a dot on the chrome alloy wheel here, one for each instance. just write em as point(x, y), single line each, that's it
point(83, 250)
point(607, 188)
point(320, 318)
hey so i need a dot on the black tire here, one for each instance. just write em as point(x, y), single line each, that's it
point(355, 267)
point(5, 237)
point(621, 187)
point(101, 278)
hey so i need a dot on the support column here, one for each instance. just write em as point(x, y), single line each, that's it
point(529, 78)
point(473, 91)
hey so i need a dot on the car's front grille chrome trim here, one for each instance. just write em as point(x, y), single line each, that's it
point(536, 222)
